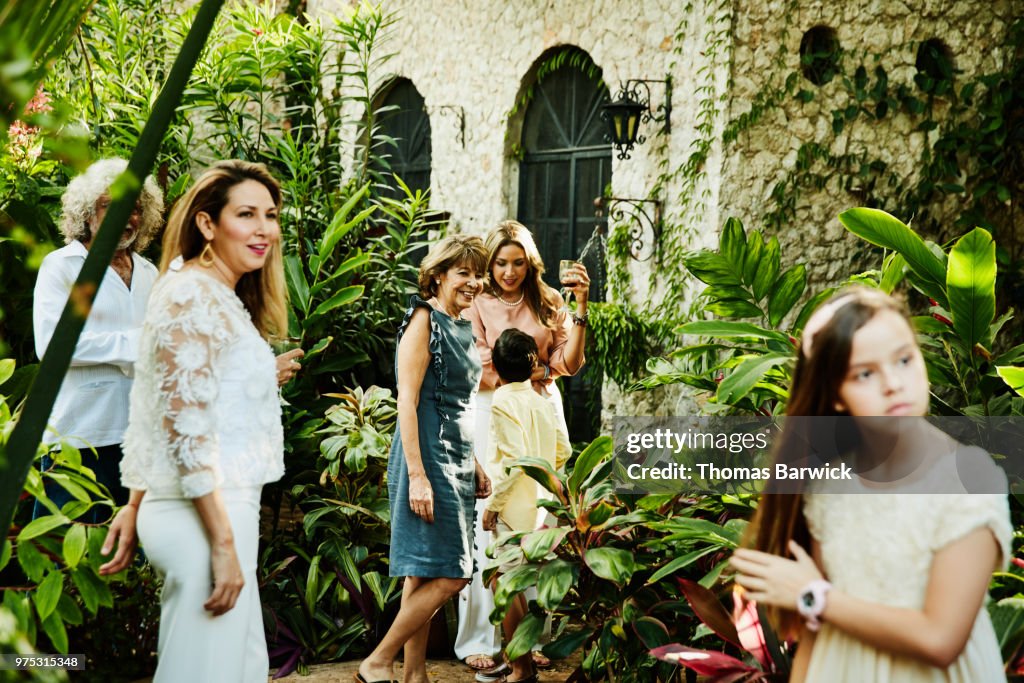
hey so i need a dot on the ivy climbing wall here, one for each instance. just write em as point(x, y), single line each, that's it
point(855, 120)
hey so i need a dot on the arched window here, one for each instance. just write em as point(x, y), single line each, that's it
point(403, 118)
point(566, 165)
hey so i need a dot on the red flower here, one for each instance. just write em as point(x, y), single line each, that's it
point(257, 32)
point(719, 376)
point(1018, 562)
point(933, 302)
point(942, 319)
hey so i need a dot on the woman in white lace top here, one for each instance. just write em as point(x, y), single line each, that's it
point(204, 429)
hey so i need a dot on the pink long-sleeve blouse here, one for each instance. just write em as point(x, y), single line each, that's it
point(491, 317)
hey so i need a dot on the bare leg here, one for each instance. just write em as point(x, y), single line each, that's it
point(414, 669)
point(424, 598)
point(523, 666)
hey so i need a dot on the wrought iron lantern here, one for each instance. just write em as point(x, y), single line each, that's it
point(633, 108)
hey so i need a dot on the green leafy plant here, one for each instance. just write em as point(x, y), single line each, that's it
point(608, 570)
point(748, 363)
point(620, 340)
point(49, 565)
point(326, 590)
point(961, 334)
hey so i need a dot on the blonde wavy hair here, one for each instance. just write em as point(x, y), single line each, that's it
point(262, 291)
point(542, 299)
point(448, 253)
point(78, 204)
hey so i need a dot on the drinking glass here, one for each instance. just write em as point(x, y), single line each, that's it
point(567, 277)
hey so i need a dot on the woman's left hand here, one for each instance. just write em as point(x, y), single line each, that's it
point(288, 366)
point(772, 580)
point(483, 483)
point(580, 290)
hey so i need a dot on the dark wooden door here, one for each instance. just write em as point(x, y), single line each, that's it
point(567, 165)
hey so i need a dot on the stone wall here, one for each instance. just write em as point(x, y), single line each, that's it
point(886, 34)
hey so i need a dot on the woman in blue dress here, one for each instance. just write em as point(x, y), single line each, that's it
point(433, 477)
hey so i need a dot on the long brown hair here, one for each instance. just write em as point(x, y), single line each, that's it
point(814, 392)
point(542, 299)
point(262, 291)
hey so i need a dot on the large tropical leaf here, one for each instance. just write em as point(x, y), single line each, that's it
point(340, 225)
point(1008, 621)
point(554, 581)
point(733, 244)
point(787, 291)
point(767, 269)
point(880, 228)
point(1013, 376)
point(709, 610)
point(342, 297)
point(540, 471)
point(717, 665)
point(748, 373)
point(526, 636)
point(598, 450)
point(729, 328)
point(614, 564)
point(713, 269)
point(971, 286)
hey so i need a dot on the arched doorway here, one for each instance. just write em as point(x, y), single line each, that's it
point(566, 164)
point(404, 119)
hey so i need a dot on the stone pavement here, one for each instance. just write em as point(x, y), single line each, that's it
point(439, 671)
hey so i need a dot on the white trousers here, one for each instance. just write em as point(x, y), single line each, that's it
point(476, 634)
point(194, 646)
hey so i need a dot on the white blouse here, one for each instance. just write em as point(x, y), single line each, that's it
point(204, 408)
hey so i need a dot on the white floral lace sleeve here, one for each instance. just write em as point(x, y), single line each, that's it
point(186, 349)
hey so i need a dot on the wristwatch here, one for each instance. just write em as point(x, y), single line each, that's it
point(811, 602)
point(580, 320)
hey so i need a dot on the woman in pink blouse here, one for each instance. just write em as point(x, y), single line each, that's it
point(515, 296)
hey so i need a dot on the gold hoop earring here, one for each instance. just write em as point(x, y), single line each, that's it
point(206, 259)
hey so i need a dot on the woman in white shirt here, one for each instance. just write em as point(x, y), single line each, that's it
point(91, 410)
point(204, 430)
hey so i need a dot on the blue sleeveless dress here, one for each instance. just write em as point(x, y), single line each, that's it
point(446, 424)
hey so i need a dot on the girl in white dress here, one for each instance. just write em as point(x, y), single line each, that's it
point(907, 562)
point(204, 428)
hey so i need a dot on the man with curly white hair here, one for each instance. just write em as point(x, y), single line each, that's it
point(91, 410)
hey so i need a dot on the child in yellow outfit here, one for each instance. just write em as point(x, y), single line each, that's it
point(522, 425)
